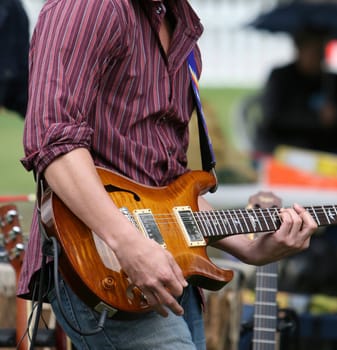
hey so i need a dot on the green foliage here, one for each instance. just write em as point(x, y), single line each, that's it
point(225, 100)
point(14, 179)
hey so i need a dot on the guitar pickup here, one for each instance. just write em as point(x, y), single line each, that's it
point(148, 225)
point(189, 226)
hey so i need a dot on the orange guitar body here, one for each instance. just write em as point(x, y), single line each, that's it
point(91, 268)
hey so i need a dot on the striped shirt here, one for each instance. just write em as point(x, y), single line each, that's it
point(100, 79)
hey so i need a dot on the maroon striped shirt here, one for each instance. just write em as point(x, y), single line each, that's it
point(99, 79)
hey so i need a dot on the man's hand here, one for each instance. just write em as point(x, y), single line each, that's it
point(292, 237)
point(296, 229)
point(155, 272)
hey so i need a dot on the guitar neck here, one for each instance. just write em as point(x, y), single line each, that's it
point(221, 223)
point(265, 312)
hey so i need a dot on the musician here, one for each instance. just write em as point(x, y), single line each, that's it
point(109, 86)
point(299, 100)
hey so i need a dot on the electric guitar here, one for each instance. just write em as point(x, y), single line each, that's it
point(170, 216)
point(11, 238)
point(12, 241)
point(265, 336)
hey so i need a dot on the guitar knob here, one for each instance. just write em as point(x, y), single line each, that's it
point(108, 283)
point(134, 293)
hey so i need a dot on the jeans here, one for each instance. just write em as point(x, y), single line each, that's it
point(151, 332)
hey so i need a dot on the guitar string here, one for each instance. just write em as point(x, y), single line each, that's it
point(231, 227)
point(316, 209)
point(261, 214)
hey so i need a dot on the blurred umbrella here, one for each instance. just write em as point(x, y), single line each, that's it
point(298, 16)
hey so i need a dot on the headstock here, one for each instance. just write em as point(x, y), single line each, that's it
point(264, 200)
point(11, 238)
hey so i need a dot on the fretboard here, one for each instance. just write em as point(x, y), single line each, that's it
point(265, 308)
point(222, 223)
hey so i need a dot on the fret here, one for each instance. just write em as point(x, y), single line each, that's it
point(253, 220)
point(264, 218)
point(250, 222)
point(257, 220)
point(272, 218)
point(315, 215)
point(244, 220)
point(234, 224)
point(270, 303)
point(222, 223)
point(231, 231)
point(326, 215)
point(265, 289)
point(332, 213)
point(210, 223)
point(266, 274)
point(238, 221)
point(265, 316)
point(218, 223)
point(264, 329)
point(205, 224)
point(334, 207)
point(264, 341)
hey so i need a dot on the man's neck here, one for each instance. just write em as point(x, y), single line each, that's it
point(166, 31)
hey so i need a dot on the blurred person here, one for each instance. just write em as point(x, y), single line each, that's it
point(110, 86)
point(14, 41)
point(299, 100)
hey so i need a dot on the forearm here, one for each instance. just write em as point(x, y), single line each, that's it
point(74, 179)
point(251, 251)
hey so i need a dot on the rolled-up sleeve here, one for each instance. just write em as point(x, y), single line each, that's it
point(71, 44)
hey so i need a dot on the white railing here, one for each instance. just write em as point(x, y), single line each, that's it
point(233, 53)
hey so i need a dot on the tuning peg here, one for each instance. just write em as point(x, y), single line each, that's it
point(11, 214)
point(16, 251)
point(13, 233)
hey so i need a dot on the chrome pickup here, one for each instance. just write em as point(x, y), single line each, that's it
point(148, 225)
point(189, 226)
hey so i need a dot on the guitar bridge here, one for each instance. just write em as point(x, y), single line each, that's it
point(189, 226)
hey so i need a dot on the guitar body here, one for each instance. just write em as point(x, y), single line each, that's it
point(91, 268)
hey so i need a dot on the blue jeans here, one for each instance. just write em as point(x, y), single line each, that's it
point(151, 332)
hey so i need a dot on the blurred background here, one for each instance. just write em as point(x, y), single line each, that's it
point(238, 58)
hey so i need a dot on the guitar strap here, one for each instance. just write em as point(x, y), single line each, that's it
point(206, 147)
